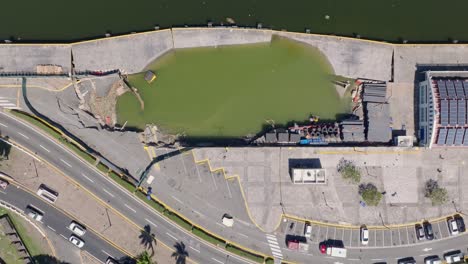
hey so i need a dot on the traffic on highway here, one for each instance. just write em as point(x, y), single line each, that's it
point(293, 241)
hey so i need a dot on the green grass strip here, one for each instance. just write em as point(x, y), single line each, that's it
point(32, 247)
point(44, 127)
point(246, 254)
point(155, 205)
point(207, 237)
point(181, 222)
point(103, 168)
point(269, 261)
point(117, 178)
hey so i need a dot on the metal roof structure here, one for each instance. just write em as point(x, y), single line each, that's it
point(352, 130)
point(378, 123)
point(451, 96)
point(374, 92)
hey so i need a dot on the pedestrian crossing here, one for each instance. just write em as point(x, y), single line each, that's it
point(9, 103)
point(274, 246)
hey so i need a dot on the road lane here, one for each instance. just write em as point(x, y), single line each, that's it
point(123, 202)
point(58, 222)
point(93, 181)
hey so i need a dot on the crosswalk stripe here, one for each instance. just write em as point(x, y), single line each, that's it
point(274, 246)
point(276, 250)
point(272, 236)
point(271, 239)
point(278, 256)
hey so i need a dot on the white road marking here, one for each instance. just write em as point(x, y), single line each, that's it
point(107, 253)
point(126, 205)
point(64, 236)
point(109, 193)
point(217, 260)
point(3, 192)
point(194, 249)
point(243, 235)
point(423, 255)
point(44, 148)
point(354, 259)
point(172, 236)
point(66, 163)
point(3, 125)
point(376, 259)
point(23, 135)
point(87, 177)
point(195, 211)
point(51, 228)
point(147, 220)
point(173, 197)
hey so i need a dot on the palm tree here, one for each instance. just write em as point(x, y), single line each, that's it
point(180, 254)
point(144, 258)
point(147, 238)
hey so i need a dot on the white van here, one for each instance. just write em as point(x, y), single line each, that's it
point(307, 230)
point(46, 193)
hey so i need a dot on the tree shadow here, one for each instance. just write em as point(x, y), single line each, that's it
point(5, 149)
point(180, 254)
point(47, 259)
point(147, 238)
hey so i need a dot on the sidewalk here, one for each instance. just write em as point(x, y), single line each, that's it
point(80, 205)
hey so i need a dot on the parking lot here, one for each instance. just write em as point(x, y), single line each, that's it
point(350, 236)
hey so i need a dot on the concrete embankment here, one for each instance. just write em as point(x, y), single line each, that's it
point(132, 53)
point(25, 57)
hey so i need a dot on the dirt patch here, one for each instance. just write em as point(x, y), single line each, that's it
point(103, 107)
point(80, 204)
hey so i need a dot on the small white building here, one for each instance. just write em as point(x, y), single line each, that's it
point(308, 176)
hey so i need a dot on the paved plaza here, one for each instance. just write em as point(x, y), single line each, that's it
point(400, 173)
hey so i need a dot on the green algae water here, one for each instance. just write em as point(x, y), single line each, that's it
point(391, 20)
point(231, 91)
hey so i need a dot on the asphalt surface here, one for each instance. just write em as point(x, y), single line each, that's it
point(110, 192)
point(169, 233)
point(58, 222)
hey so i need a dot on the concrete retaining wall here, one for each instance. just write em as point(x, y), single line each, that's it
point(130, 53)
point(210, 37)
point(24, 57)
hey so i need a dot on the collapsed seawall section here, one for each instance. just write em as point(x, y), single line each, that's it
point(25, 58)
point(129, 53)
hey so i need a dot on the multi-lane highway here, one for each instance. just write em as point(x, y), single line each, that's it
point(167, 232)
point(58, 222)
point(110, 193)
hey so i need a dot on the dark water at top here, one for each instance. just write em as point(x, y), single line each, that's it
point(392, 20)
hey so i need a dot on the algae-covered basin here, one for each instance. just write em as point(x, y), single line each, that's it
point(232, 91)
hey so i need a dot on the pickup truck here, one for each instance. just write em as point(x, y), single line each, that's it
point(336, 252)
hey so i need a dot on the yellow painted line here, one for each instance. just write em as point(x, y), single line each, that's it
point(19, 185)
point(120, 36)
point(300, 219)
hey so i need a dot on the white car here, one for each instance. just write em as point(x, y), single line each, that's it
point(228, 220)
point(364, 235)
point(34, 213)
point(77, 228)
point(76, 241)
point(307, 230)
point(453, 227)
point(432, 260)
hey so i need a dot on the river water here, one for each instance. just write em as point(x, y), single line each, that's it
point(391, 20)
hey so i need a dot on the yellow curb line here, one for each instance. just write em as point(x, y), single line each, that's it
point(297, 218)
point(11, 180)
point(20, 185)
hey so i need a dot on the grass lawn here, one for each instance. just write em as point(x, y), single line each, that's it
point(33, 246)
point(231, 91)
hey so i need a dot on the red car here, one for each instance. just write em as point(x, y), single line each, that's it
point(323, 249)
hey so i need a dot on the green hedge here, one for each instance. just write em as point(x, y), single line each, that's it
point(122, 182)
point(243, 253)
point(180, 221)
point(269, 261)
point(157, 206)
point(207, 237)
